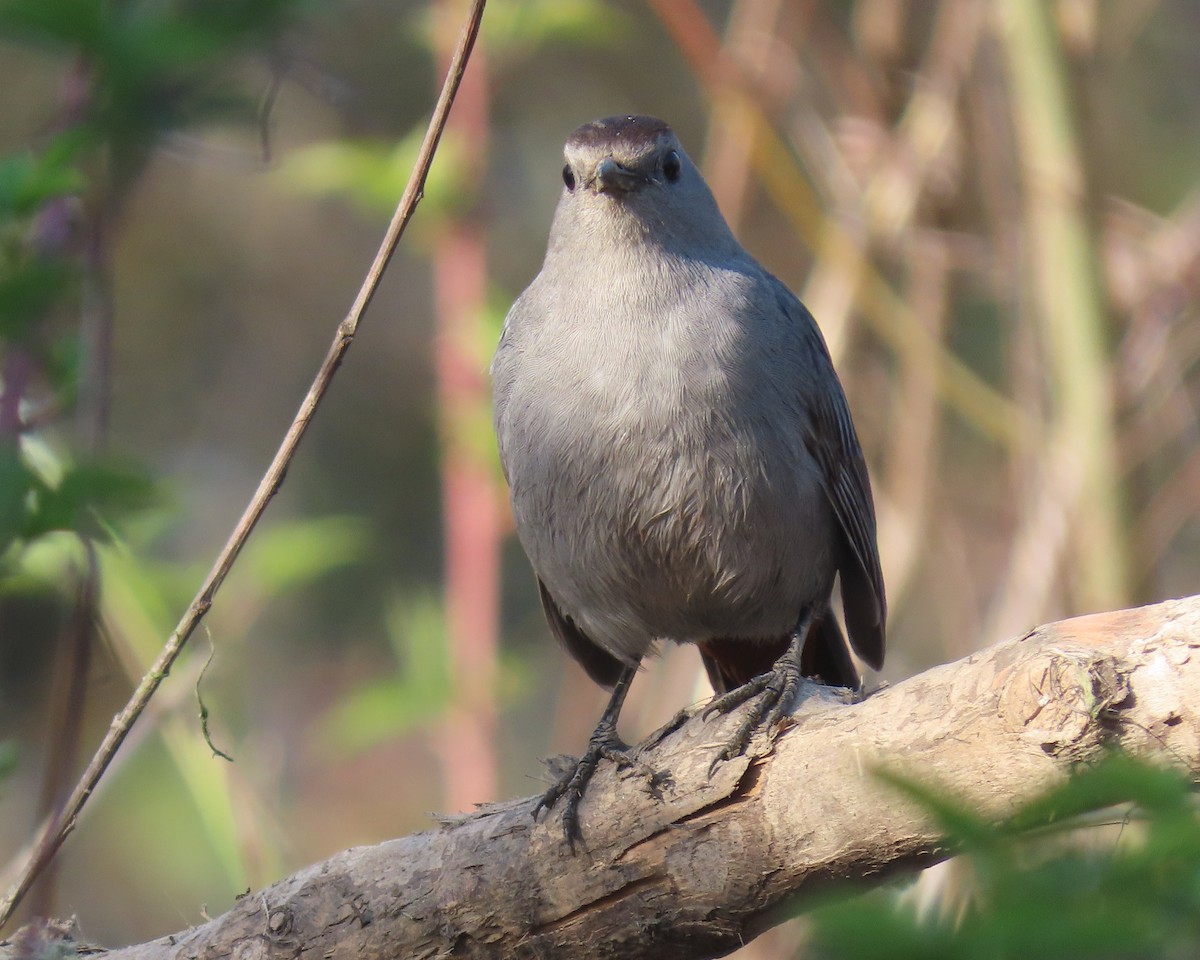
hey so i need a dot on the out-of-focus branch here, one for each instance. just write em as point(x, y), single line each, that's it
point(695, 865)
point(915, 151)
point(730, 134)
point(59, 826)
point(77, 641)
point(891, 319)
point(1070, 311)
point(914, 436)
point(470, 500)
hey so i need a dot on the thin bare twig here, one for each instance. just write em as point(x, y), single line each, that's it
point(60, 826)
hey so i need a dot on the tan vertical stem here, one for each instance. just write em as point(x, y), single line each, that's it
point(731, 131)
point(1067, 298)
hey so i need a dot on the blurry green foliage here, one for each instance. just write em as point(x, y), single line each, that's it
point(16, 480)
point(417, 693)
point(134, 72)
point(421, 689)
point(86, 493)
point(474, 429)
point(8, 758)
point(36, 269)
point(140, 70)
point(286, 556)
point(151, 66)
point(144, 68)
point(516, 29)
point(28, 179)
point(28, 293)
point(144, 596)
point(1046, 884)
point(141, 600)
point(373, 175)
point(30, 507)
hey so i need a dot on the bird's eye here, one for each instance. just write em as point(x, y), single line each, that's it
point(671, 166)
point(569, 177)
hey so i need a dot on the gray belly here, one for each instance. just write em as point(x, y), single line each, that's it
point(684, 531)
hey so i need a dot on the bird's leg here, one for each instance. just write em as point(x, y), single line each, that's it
point(778, 688)
point(603, 744)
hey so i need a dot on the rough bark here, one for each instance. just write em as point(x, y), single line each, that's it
point(708, 862)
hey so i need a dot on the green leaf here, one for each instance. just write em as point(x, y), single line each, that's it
point(17, 483)
point(153, 67)
point(45, 566)
point(28, 293)
point(79, 23)
point(1129, 890)
point(8, 759)
point(1114, 780)
point(27, 180)
point(288, 555)
point(517, 29)
point(960, 824)
point(418, 693)
point(373, 175)
point(86, 494)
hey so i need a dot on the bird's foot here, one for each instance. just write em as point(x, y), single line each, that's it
point(776, 691)
point(604, 744)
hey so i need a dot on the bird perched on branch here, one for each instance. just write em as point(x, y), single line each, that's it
point(679, 451)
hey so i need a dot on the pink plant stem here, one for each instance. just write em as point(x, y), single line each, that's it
point(472, 520)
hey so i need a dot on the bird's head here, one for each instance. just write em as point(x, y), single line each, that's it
point(629, 176)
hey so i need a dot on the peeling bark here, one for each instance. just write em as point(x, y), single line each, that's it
point(708, 863)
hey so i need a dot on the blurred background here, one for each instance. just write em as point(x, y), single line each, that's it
point(992, 208)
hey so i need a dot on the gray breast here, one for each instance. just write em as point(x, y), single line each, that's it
point(659, 476)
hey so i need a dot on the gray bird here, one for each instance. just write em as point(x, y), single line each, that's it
point(679, 451)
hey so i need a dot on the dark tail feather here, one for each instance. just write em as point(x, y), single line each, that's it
point(600, 665)
point(826, 657)
point(865, 613)
point(730, 663)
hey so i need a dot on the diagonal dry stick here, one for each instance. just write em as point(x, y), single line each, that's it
point(59, 826)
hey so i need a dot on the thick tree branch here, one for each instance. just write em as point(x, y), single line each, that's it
point(706, 865)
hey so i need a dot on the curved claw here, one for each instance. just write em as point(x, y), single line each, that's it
point(778, 690)
point(737, 696)
point(603, 745)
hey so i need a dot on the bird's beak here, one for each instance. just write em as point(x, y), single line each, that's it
point(611, 177)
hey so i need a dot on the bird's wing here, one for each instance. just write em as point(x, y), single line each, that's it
point(501, 374)
point(600, 665)
point(834, 444)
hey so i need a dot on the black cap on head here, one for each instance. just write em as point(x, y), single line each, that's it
point(633, 133)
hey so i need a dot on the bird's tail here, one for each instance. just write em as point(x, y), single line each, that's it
point(825, 658)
